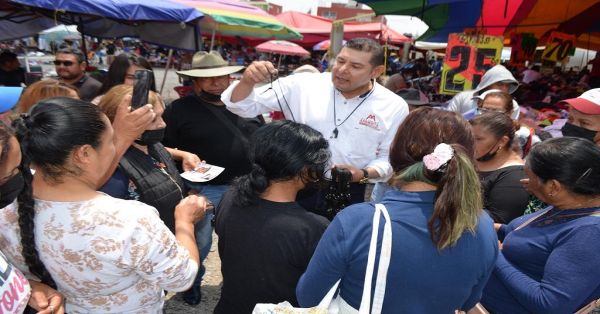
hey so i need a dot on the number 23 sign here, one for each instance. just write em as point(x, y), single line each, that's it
point(467, 59)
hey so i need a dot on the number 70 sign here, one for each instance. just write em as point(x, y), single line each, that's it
point(558, 47)
point(467, 59)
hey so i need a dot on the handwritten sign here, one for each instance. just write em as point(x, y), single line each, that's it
point(558, 47)
point(522, 47)
point(467, 59)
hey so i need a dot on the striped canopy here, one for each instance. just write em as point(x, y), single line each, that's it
point(501, 17)
point(578, 17)
point(236, 18)
point(442, 16)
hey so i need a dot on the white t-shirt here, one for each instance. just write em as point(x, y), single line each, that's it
point(530, 75)
point(14, 288)
point(106, 255)
point(364, 136)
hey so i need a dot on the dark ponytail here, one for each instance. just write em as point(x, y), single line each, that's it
point(458, 202)
point(250, 186)
point(26, 209)
point(282, 151)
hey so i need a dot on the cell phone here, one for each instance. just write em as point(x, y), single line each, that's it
point(141, 88)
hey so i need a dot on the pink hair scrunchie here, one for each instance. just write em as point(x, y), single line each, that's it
point(440, 156)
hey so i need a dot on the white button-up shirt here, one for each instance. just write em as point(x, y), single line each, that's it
point(364, 138)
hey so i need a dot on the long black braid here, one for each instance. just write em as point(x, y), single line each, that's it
point(26, 208)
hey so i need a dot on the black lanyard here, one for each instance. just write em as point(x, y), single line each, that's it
point(335, 130)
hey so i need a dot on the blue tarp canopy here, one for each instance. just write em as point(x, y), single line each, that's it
point(162, 22)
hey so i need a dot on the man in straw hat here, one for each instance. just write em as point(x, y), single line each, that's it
point(200, 124)
point(357, 115)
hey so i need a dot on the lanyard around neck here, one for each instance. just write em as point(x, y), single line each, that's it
point(335, 130)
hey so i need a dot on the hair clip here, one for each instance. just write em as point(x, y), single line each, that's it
point(440, 157)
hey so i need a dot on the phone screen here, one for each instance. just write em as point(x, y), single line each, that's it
point(141, 88)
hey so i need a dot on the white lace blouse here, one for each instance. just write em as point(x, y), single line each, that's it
point(106, 255)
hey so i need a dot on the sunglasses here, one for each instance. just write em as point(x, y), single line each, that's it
point(65, 63)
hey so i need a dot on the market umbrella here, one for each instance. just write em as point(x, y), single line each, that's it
point(324, 45)
point(162, 22)
point(442, 16)
point(578, 17)
point(235, 18)
point(16, 23)
point(282, 47)
point(316, 29)
point(60, 33)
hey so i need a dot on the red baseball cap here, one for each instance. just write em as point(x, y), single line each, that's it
point(588, 102)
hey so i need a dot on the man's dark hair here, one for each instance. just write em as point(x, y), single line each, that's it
point(7, 56)
point(368, 45)
point(76, 52)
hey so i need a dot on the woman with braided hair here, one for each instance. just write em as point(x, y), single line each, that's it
point(104, 254)
point(265, 237)
point(17, 291)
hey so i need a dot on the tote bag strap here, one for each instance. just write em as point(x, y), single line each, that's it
point(384, 261)
point(329, 296)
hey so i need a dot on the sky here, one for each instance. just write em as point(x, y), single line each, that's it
point(400, 23)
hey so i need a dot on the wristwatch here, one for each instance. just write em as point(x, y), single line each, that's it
point(365, 178)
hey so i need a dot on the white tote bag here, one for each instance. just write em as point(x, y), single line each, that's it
point(338, 305)
point(382, 268)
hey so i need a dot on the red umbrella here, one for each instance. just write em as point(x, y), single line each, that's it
point(324, 45)
point(282, 47)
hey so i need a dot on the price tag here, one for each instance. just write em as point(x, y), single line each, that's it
point(523, 47)
point(558, 47)
point(467, 59)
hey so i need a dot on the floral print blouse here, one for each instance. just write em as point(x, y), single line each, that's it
point(106, 255)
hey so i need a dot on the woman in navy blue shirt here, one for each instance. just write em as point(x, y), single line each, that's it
point(550, 260)
point(443, 244)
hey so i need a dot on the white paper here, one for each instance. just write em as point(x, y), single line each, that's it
point(204, 173)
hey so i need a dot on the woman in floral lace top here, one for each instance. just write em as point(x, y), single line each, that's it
point(105, 255)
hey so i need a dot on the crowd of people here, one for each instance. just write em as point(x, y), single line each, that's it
point(490, 201)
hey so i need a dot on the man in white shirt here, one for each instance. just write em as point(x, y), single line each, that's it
point(357, 115)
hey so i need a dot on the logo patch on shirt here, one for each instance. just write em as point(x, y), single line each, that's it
point(370, 121)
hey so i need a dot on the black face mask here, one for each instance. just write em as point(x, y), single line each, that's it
point(150, 137)
point(489, 155)
point(576, 131)
point(210, 97)
point(11, 189)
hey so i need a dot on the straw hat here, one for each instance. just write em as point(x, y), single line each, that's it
point(205, 64)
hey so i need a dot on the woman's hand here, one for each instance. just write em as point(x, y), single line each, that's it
point(189, 161)
point(129, 124)
point(192, 209)
point(45, 299)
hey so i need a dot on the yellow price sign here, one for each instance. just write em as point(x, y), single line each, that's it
point(467, 59)
point(558, 47)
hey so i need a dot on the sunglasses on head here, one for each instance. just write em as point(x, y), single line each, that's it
point(65, 63)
